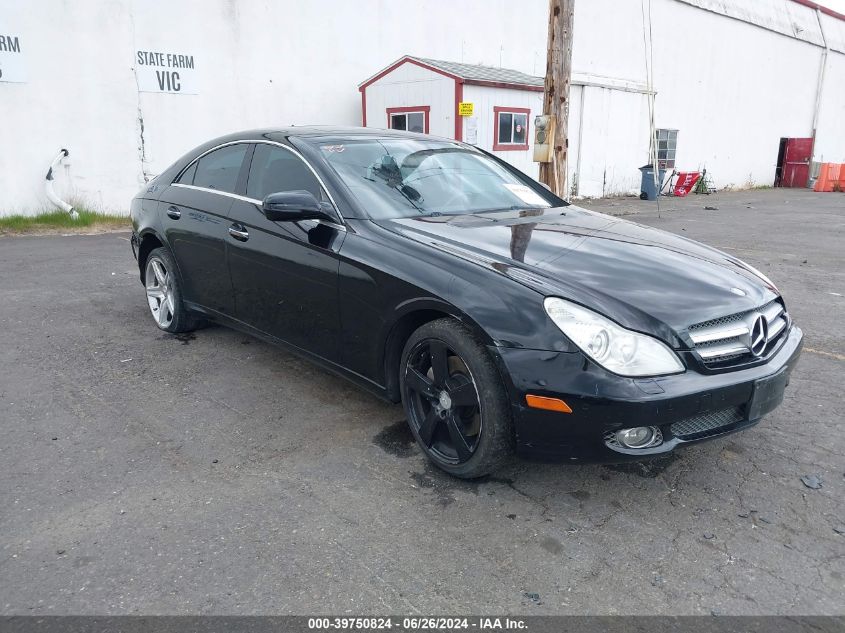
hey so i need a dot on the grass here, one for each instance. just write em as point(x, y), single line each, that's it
point(52, 221)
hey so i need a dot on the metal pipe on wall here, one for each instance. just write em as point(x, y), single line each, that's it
point(48, 186)
point(819, 91)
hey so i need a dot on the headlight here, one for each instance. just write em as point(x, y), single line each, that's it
point(613, 347)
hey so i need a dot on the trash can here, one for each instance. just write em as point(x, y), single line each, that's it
point(647, 189)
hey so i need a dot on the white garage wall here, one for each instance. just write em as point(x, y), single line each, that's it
point(830, 143)
point(412, 85)
point(484, 100)
point(730, 87)
point(258, 63)
point(614, 143)
point(80, 96)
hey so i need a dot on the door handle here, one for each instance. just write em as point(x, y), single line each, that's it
point(174, 213)
point(239, 232)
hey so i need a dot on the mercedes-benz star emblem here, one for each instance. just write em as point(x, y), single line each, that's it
point(759, 337)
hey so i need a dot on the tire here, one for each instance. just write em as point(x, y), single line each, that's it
point(453, 396)
point(164, 293)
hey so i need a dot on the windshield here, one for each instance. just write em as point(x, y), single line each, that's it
point(400, 178)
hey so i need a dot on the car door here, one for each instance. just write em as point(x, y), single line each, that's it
point(194, 211)
point(284, 274)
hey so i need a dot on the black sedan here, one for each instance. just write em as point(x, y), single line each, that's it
point(431, 272)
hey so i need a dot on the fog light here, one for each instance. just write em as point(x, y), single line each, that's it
point(639, 437)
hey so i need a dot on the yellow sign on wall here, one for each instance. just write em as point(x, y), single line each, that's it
point(465, 108)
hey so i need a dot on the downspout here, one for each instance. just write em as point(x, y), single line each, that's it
point(48, 186)
point(580, 142)
point(819, 90)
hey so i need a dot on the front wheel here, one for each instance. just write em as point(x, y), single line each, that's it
point(453, 396)
point(164, 293)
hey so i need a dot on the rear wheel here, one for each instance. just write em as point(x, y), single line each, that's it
point(164, 293)
point(453, 396)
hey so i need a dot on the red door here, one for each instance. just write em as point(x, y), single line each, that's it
point(795, 168)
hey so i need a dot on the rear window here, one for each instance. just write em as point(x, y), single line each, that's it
point(219, 169)
point(187, 177)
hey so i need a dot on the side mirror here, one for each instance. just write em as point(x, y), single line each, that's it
point(292, 206)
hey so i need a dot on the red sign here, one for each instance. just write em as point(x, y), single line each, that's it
point(686, 181)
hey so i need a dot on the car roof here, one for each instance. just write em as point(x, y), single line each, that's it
point(335, 132)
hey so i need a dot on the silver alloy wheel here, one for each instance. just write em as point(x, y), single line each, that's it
point(160, 292)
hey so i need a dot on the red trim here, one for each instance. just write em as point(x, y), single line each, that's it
point(823, 9)
point(364, 108)
point(426, 110)
point(509, 147)
point(459, 120)
point(503, 84)
point(397, 64)
point(473, 82)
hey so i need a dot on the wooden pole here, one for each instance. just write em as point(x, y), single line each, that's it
point(556, 98)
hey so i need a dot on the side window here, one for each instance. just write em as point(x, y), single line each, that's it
point(187, 177)
point(275, 169)
point(219, 169)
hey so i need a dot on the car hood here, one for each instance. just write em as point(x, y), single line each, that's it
point(632, 273)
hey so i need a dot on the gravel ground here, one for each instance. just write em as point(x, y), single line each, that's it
point(211, 473)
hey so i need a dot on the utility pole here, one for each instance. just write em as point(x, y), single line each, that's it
point(556, 98)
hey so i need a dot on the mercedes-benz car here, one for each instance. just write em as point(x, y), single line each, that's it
point(433, 273)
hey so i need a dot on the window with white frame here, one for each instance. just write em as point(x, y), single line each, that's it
point(667, 143)
point(510, 128)
point(410, 121)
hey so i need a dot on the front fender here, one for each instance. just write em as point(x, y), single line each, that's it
point(384, 279)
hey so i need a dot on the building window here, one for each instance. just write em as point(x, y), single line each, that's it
point(412, 119)
point(667, 143)
point(510, 129)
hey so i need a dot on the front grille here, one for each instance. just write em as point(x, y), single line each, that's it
point(706, 423)
point(725, 341)
point(725, 320)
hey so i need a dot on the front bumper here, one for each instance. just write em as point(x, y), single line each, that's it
point(602, 402)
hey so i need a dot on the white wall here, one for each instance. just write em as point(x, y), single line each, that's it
point(830, 142)
point(413, 85)
point(484, 100)
point(258, 63)
point(731, 88)
point(609, 140)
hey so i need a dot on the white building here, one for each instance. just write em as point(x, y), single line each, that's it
point(128, 86)
point(425, 95)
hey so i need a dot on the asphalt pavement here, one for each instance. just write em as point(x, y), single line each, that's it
point(210, 473)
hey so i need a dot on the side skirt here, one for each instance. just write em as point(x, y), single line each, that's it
point(361, 381)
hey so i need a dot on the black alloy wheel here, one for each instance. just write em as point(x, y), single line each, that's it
point(446, 411)
point(454, 400)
